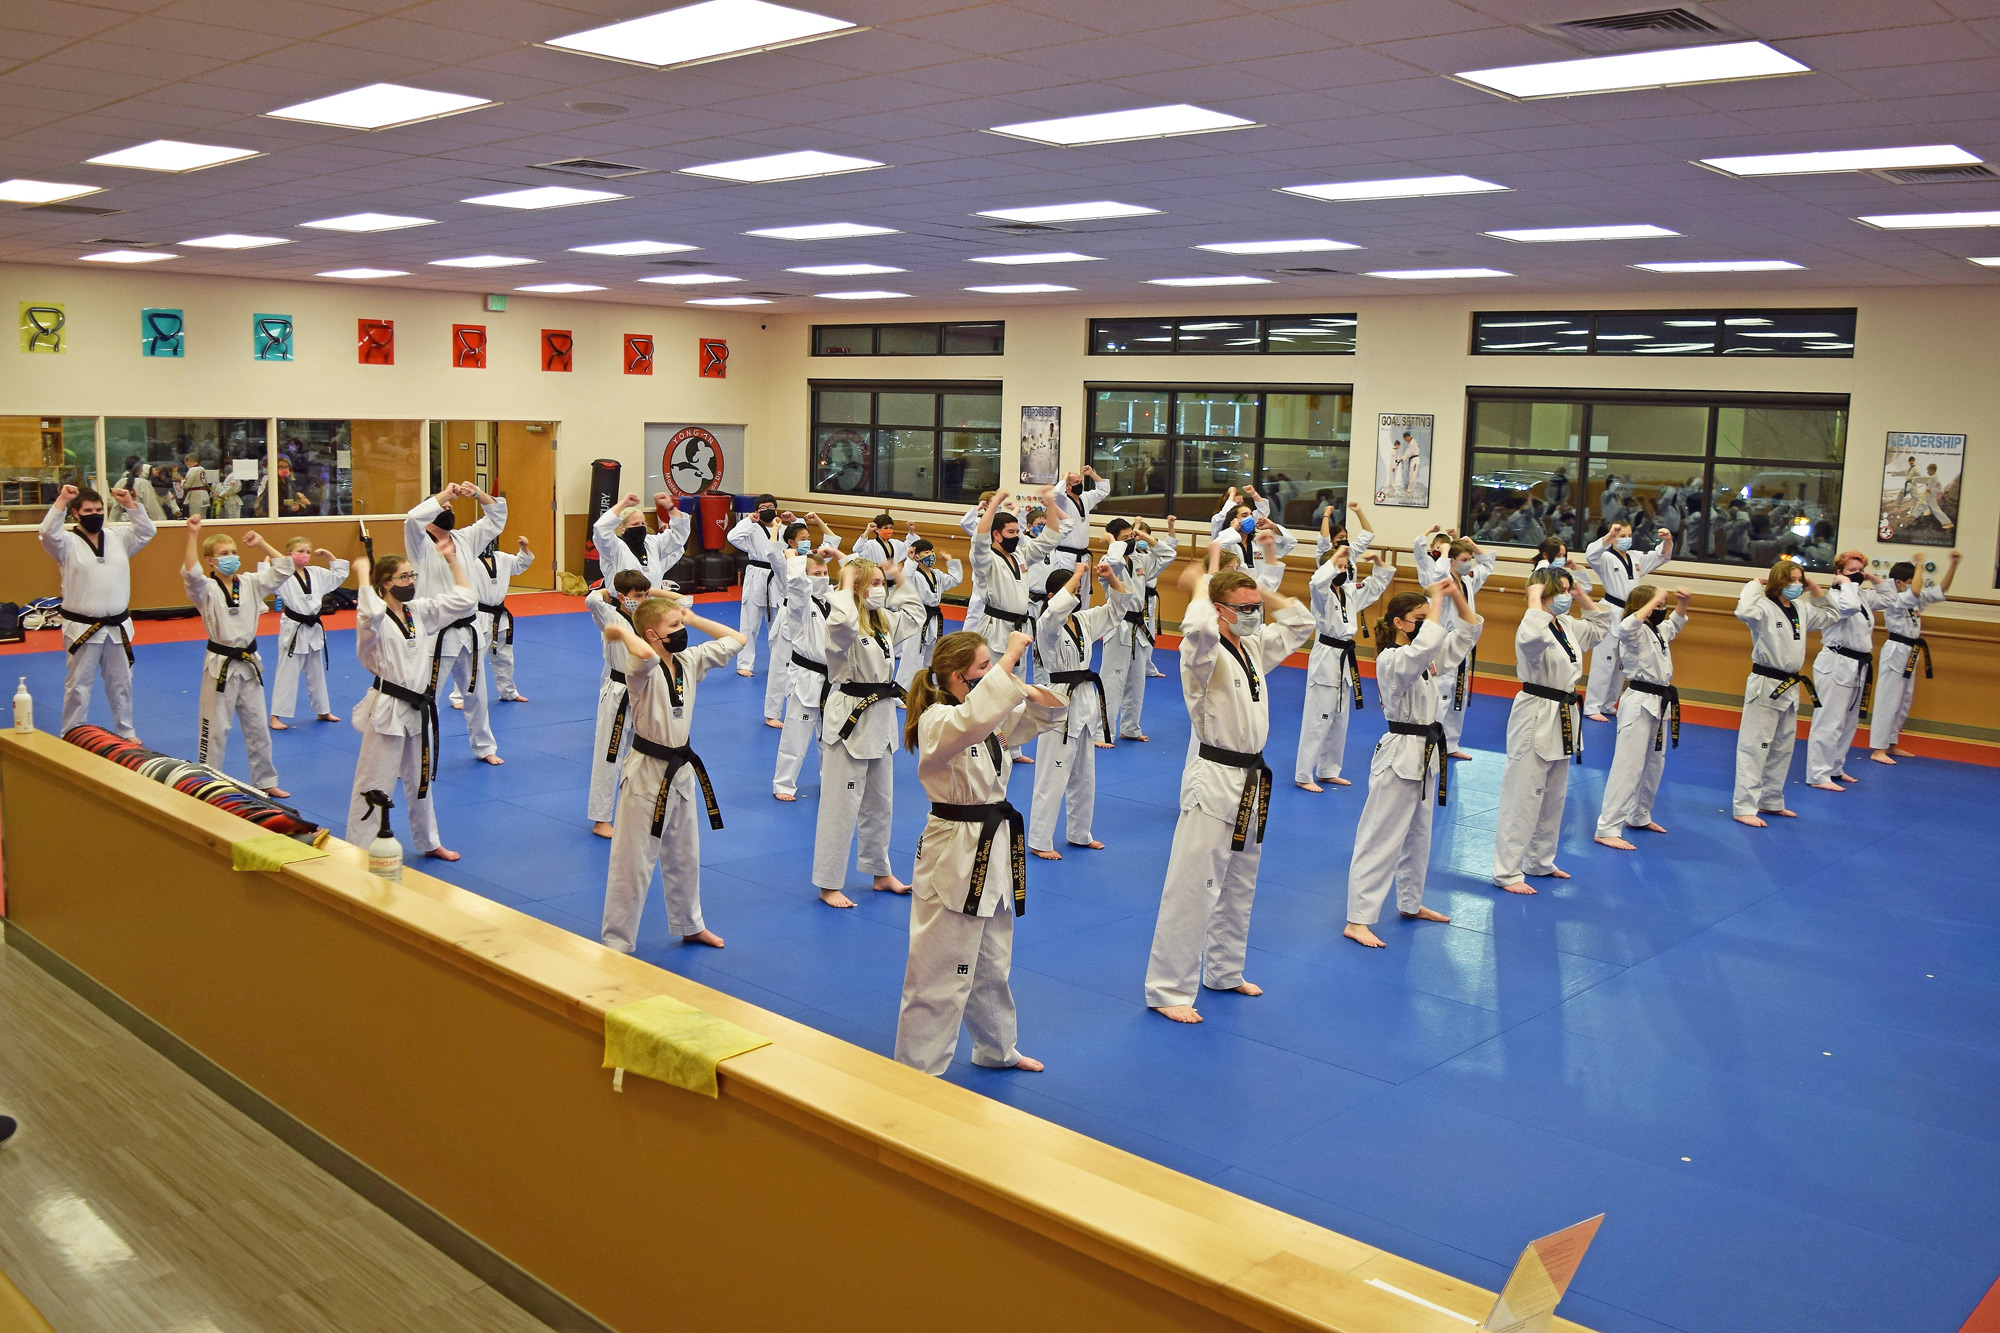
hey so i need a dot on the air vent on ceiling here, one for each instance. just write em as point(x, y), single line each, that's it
point(125, 241)
point(80, 210)
point(1929, 175)
point(1310, 272)
point(591, 167)
point(1027, 228)
point(786, 296)
point(682, 263)
point(1647, 30)
point(599, 108)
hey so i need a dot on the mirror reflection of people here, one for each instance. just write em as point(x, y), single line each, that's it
point(95, 563)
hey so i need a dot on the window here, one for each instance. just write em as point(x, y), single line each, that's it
point(349, 467)
point(909, 339)
point(38, 455)
point(906, 441)
point(1664, 333)
point(151, 455)
point(1225, 335)
point(1179, 451)
point(1738, 479)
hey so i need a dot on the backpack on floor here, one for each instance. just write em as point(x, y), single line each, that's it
point(10, 623)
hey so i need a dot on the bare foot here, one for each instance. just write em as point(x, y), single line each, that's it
point(1881, 757)
point(442, 854)
point(1618, 843)
point(492, 759)
point(835, 898)
point(515, 699)
point(1180, 1013)
point(1519, 886)
point(278, 792)
point(1310, 786)
point(276, 725)
point(459, 704)
point(1786, 814)
point(1901, 753)
point(1751, 820)
point(784, 796)
point(1595, 717)
point(602, 828)
point(1650, 828)
point(1093, 845)
point(1423, 914)
point(1460, 754)
point(1105, 745)
point(1025, 759)
point(329, 717)
point(890, 884)
point(1557, 872)
point(1828, 785)
point(774, 722)
point(1340, 782)
point(708, 937)
point(1846, 777)
point(1248, 988)
point(1027, 1064)
point(1362, 935)
point(1136, 738)
point(741, 672)
point(1050, 855)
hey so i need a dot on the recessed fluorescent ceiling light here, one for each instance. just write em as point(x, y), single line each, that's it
point(728, 300)
point(690, 279)
point(380, 106)
point(1722, 266)
point(369, 222)
point(129, 257)
point(1050, 257)
point(821, 231)
point(480, 261)
point(844, 270)
point(1993, 262)
point(1275, 247)
point(1408, 187)
point(861, 296)
point(1237, 280)
point(1425, 273)
point(1640, 69)
point(364, 273)
point(230, 240)
point(1919, 221)
point(783, 167)
point(1022, 289)
point(709, 31)
point(170, 155)
point(18, 191)
point(632, 248)
point(1151, 122)
point(560, 287)
point(1103, 208)
point(1852, 159)
point(542, 196)
point(1636, 232)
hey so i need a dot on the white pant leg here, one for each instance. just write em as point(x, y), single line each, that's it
point(1453, 719)
point(500, 658)
point(878, 808)
point(635, 856)
point(602, 806)
point(1522, 786)
point(1764, 741)
point(1640, 812)
point(245, 697)
point(1117, 670)
point(1081, 791)
point(1323, 732)
point(801, 725)
point(778, 676)
point(1607, 676)
point(856, 800)
point(1778, 759)
point(384, 761)
point(1132, 706)
point(1053, 761)
point(958, 972)
point(215, 711)
point(1396, 816)
point(1204, 910)
point(1229, 926)
point(1547, 831)
point(679, 852)
point(1832, 730)
point(751, 622)
point(1893, 692)
point(458, 667)
point(315, 673)
point(1629, 761)
point(103, 655)
point(285, 684)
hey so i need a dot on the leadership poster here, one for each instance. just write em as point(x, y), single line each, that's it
point(1920, 489)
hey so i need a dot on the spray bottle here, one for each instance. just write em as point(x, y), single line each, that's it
point(385, 854)
point(24, 708)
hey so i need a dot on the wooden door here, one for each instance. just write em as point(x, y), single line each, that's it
point(526, 475)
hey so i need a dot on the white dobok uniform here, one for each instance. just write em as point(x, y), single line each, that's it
point(399, 731)
point(858, 734)
point(1000, 587)
point(1203, 930)
point(761, 599)
point(1066, 764)
point(232, 671)
point(1621, 571)
point(612, 739)
point(969, 883)
point(914, 653)
point(301, 637)
point(1646, 717)
point(1073, 542)
point(501, 569)
point(1842, 671)
point(1333, 672)
point(806, 607)
point(658, 554)
point(1454, 685)
point(1128, 653)
point(1770, 725)
point(1895, 682)
point(1544, 737)
point(96, 611)
point(463, 644)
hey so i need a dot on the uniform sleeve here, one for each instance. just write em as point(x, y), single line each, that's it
point(1096, 495)
point(1482, 570)
point(1358, 542)
point(1459, 643)
point(1648, 562)
point(949, 730)
point(434, 613)
point(907, 612)
point(1746, 601)
point(602, 612)
point(670, 545)
point(1220, 521)
point(491, 523)
point(1931, 596)
point(337, 573)
point(1532, 638)
point(1672, 626)
point(699, 660)
point(981, 556)
point(969, 521)
point(50, 534)
point(949, 577)
point(521, 561)
point(1591, 630)
point(1049, 624)
point(843, 622)
point(1322, 579)
point(415, 539)
point(1290, 628)
point(140, 531)
point(1201, 633)
point(744, 537)
point(197, 584)
point(1035, 549)
point(604, 529)
point(267, 579)
point(1283, 545)
point(1377, 584)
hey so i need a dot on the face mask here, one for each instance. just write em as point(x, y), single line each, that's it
point(675, 643)
point(878, 597)
point(227, 564)
point(1658, 617)
point(302, 558)
point(1416, 627)
point(766, 515)
point(631, 604)
point(1248, 621)
point(1559, 604)
point(816, 583)
point(1142, 546)
point(1036, 530)
point(1010, 544)
point(1461, 567)
point(444, 522)
point(91, 523)
point(926, 560)
point(1340, 579)
point(1246, 526)
point(403, 592)
point(1793, 591)
point(803, 546)
point(635, 540)
point(1624, 543)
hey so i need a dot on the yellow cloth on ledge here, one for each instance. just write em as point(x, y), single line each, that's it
point(270, 851)
point(673, 1042)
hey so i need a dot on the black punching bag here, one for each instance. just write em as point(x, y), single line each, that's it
point(603, 495)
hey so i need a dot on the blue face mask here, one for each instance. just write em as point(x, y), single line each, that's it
point(1142, 546)
point(227, 564)
point(1559, 604)
point(1247, 526)
point(805, 547)
point(1793, 591)
point(1624, 543)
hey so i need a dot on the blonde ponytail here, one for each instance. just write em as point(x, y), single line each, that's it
point(954, 653)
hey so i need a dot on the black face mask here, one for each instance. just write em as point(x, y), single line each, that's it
point(767, 516)
point(403, 592)
point(1340, 578)
point(634, 538)
point(1077, 490)
point(675, 643)
point(445, 521)
point(1658, 617)
point(91, 523)
point(1010, 544)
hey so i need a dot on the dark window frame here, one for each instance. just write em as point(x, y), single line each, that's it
point(1263, 347)
point(1719, 314)
point(939, 390)
point(1583, 456)
point(942, 326)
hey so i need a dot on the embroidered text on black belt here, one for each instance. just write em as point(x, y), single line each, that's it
point(1572, 743)
point(677, 757)
point(868, 693)
point(1256, 790)
point(990, 818)
point(117, 622)
point(1349, 663)
point(1672, 708)
point(425, 702)
point(230, 657)
point(1434, 745)
point(498, 610)
point(1916, 643)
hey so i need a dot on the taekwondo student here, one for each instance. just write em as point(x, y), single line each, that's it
point(1226, 525)
point(1611, 560)
point(1128, 653)
point(857, 781)
point(965, 709)
point(1469, 565)
point(1000, 560)
point(1843, 670)
point(1227, 652)
point(301, 637)
point(879, 544)
point(758, 536)
point(395, 636)
point(975, 603)
point(1649, 706)
point(461, 645)
point(1904, 619)
point(621, 541)
point(501, 568)
point(1545, 726)
point(1770, 726)
point(914, 653)
point(794, 540)
point(1333, 673)
point(95, 563)
point(1073, 541)
point(232, 673)
point(613, 738)
point(656, 828)
point(1392, 844)
point(1065, 637)
point(807, 683)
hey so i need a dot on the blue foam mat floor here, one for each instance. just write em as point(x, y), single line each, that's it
point(1771, 1057)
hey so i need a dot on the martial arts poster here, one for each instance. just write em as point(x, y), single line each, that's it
point(377, 339)
point(162, 332)
point(271, 337)
point(44, 328)
point(1920, 490)
point(714, 359)
point(1041, 445)
point(558, 350)
point(638, 354)
point(468, 346)
point(689, 457)
point(1403, 460)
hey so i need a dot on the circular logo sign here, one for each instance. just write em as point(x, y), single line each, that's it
point(692, 461)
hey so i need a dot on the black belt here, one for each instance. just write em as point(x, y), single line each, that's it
point(870, 693)
point(1466, 666)
point(1785, 679)
point(1434, 744)
point(1618, 602)
point(1084, 677)
point(826, 682)
point(1867, 661)
point(1568, 699)
point(471, 626)
point(97, 623)
point(1014, 618)
point(425, 702)
point(303, 621)
point(231, 656)
point(1256, 790)
point(497, 610)
point(1673, 698)
point(764, 565)
point(1078, 551)
point(618, 722)
point(1142, 628)
point(990, 818)
point(1351, 662)
point(1919, 644)
point(677, 757)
